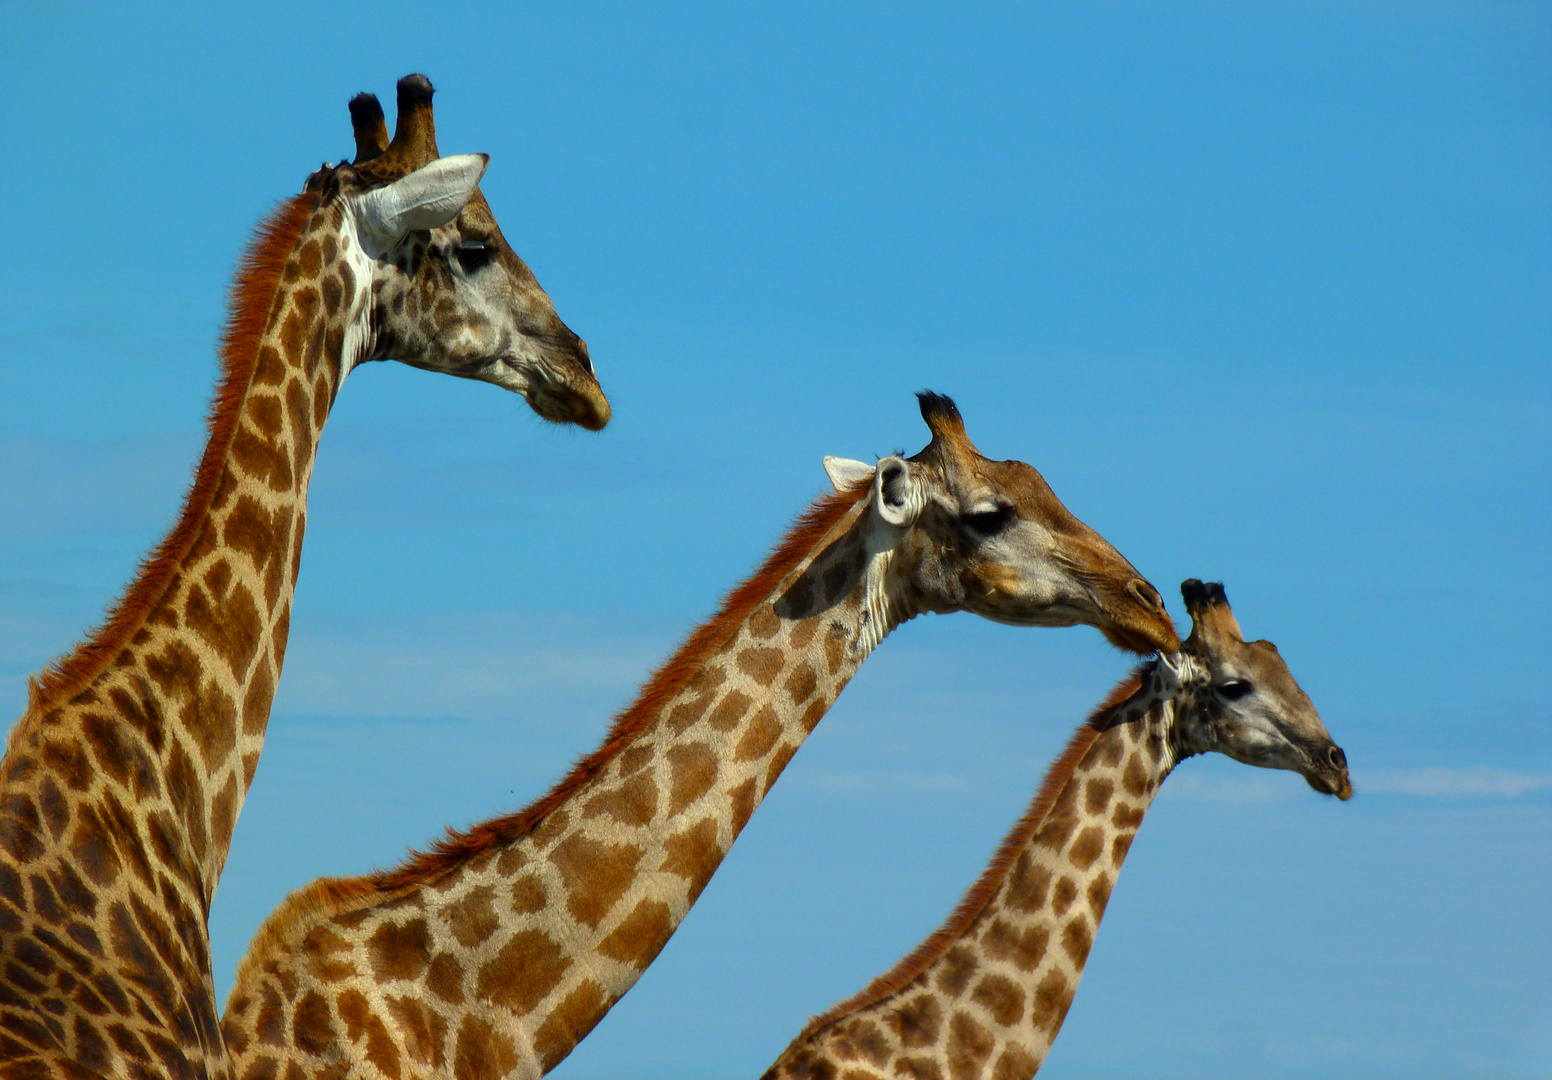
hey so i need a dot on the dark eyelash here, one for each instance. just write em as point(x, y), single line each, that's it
point(990, 522)
point(1235, 689)
point(472, 255)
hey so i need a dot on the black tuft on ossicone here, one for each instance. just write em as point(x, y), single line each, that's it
point(365, 110)
point(1197, 594)
point(938, 406)
point(414, 90)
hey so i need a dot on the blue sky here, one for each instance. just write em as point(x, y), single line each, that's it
point(1263, 288)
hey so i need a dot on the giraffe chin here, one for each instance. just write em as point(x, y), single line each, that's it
point(569, 407)
point(1340, 786)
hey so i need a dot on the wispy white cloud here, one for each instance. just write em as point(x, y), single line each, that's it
point(1456, 783)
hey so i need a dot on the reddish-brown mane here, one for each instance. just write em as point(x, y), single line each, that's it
point(458, 847)
point(253, 291)
point(986, 886)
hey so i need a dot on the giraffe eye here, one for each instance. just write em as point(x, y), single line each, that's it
point(989, 522)
point(473, 255)
point(1235, 689)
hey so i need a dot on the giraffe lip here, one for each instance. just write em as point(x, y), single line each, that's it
point(1331, 784)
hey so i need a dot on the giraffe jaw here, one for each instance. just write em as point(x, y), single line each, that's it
point(549, 393)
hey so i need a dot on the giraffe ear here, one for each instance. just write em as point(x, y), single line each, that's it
point(845, 473)
point(427, 198)
point(897, 492)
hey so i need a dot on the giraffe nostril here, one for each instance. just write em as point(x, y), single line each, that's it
point(1147, 594)
point(1337, 759)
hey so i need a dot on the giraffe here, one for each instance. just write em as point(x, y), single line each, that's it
point(123, 779)
point(494, 953)
point(986, 994)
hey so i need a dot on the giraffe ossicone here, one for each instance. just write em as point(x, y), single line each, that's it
point(986, 994)
point(122, 781)
point(496, 951)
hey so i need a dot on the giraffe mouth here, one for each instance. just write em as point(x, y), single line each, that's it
point(552, 395)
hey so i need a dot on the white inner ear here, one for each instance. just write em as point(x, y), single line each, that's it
point(897, 494)
point(845, 473)
point(427, 198)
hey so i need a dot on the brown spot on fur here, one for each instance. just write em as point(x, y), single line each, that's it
point(1031, 882)
point(1097, 795)
point(399, 952)
point(802, 633)
point(633, 803)
point(1118, 849)
point(802, 683)
point(212, 719)
point(836, 637)
point(969, 1047)
point(1052, 997)
point(596, 875)
point(742, 798)
point(483, 1052)
point(569, 1023)
point(916, 1022)
point(473, 919)
point(528, 895)
point(311, 1024)
point(779, 762)
point(641, 935)
point(1099, 895)
point(764, 623)
point(1060, 821)
point(257, 702)
point(1015, 1063)
point(694, 770)
point(1024, 949)
point(955, 969)
point(1077, 939)
point(1001, 997)
point(223, 813)
point(1127, 817)
point(693, 854)
point(444, 978)
point(264, 414)
point(730, 711)
point(1135, 778)
point(761, 664)
point(636, 758)
point(1087, 847)
point(523, 973)
point(423, 1030)
point(760, 734)
point(1063, 896)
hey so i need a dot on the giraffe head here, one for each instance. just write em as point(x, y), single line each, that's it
point(1241, 700)
point(448, 293)
point(990, 537)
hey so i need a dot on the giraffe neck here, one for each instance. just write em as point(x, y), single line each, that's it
point(987, 994)
point(129, 768)
point(519, 935)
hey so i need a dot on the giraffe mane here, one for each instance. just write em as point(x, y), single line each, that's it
point(248, 308)
point(458, 847)
point(985, 887)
